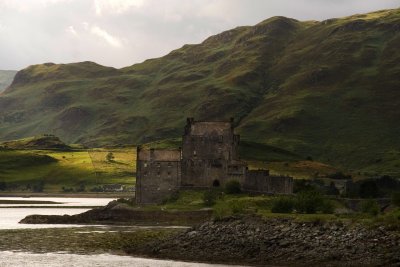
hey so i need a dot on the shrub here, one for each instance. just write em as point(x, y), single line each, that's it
point(110, 156)
point(67, 189)
point(282, 205)
point(370, 207)
point(236, 207)
point(308, 201)
point(326, 206)
point(172, 198)
point(221, 210)
point(96, 189)
point(233, 187)
point(396, 199)
point(210, 197)
point(38, 187)
point(3, 186)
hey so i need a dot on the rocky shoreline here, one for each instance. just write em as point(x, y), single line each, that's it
point(249, 240)
point(121, 213)
point(286, 242)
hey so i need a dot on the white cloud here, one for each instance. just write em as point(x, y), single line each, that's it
point(28, 5)
point(37, 31)
point(116, 6)
point(113, 41)
point(72, 30)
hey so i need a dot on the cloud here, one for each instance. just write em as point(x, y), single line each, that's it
point(72, 30)
point(116, 6)
point(62, 31)
point(111, 40)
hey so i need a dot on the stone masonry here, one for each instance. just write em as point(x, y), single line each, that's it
point(209, 158)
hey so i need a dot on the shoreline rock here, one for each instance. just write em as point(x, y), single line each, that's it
point(256, 241)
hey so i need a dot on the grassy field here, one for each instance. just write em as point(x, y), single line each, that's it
point(68, 171)
point(23, 169)
point(244, 204)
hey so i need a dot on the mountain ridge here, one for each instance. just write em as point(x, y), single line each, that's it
point(325, 89)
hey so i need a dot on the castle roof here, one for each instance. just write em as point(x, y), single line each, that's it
point(203, 128)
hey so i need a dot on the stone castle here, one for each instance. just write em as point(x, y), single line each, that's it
point(208, 158)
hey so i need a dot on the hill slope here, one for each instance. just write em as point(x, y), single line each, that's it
point(326, 89)
point(6, 78)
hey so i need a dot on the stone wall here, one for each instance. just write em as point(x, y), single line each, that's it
point(260, 181)
point(208, 150)
point(158, 175)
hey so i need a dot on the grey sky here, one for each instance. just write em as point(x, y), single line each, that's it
point(123, 32)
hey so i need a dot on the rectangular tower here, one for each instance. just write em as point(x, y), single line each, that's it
point(158, 174)
point(209, 153)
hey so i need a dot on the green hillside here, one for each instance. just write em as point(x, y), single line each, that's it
point(6, 78)
point(326, 90)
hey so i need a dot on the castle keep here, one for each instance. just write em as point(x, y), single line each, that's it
point(208, 158)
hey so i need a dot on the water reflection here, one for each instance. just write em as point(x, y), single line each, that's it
point(10, 215)
point(22, 259)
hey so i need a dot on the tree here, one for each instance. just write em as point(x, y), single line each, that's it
point(233, 187)
point(110, 156)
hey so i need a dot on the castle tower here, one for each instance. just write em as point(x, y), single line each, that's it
point(209, 149)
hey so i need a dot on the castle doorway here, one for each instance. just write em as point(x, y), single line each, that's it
point(216, 183)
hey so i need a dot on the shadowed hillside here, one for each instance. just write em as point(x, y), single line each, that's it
point(326, 90)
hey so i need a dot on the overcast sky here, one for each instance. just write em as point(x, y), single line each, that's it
point(123, 32)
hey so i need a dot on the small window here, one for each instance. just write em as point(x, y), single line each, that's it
point(145, 165)
point(169, 174)
point(158, 173)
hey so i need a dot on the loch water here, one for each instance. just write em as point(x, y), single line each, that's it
point(11, 214)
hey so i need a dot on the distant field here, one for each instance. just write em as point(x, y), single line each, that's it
point(74, 170)
point(87, 170)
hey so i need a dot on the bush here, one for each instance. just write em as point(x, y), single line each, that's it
point(282, 205)
point(227, 208)
point(173, 198)
point(326, 206)
point(237, 207)
point(38, 187)
point(67, 189)
point(221, 210)
point(110, 157)
point(396, 199)
point(233, 187)
point(96, 189)
point(308, 202)
point(210, 197)
point(3, 186)
point(370, 207)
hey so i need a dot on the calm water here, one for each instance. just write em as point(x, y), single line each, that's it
point(9, 217)
point(21, 259)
